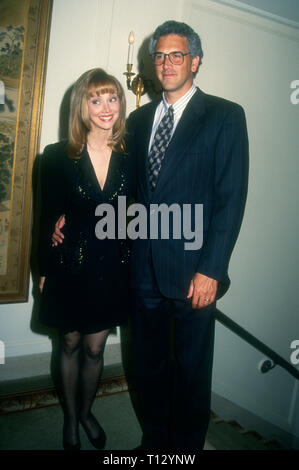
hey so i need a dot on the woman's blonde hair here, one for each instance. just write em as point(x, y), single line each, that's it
point(94, 82)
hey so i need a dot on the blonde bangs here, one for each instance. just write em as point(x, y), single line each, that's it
point(101, 89)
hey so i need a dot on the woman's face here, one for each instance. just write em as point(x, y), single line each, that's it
point(103, 111)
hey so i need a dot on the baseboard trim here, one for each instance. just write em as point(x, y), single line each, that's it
point(47, 396)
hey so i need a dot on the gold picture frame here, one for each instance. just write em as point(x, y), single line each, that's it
point(24, 37)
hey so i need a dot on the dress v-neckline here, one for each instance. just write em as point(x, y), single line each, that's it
point(101, 189)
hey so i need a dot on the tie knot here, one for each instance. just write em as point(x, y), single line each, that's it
point(170, 111)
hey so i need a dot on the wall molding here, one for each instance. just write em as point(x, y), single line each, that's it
point(228, 9)
point(259, 12)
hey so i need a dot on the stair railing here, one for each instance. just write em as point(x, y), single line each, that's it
point(253, 341)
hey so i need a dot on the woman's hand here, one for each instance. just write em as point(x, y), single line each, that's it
point(41, 283)
point(57, 235)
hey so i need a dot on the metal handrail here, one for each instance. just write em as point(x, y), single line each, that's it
point(244, 334)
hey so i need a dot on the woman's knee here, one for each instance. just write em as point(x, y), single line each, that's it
point(93, 352)
point(71, 342)
point(94, 345)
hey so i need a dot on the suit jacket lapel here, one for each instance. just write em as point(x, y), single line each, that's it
point(187, 128)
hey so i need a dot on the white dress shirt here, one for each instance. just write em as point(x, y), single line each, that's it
point(178, 108)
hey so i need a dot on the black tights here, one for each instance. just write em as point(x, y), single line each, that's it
point(81, 364)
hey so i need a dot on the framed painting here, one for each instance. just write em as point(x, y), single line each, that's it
point(24, 35)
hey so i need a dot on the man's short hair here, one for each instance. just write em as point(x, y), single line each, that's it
point(181, 29)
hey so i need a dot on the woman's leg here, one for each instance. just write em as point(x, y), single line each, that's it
point(92, 366)
point(69, 368)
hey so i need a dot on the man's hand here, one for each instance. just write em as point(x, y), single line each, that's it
point(57, 236)
point(202, 290)
point(41, 283)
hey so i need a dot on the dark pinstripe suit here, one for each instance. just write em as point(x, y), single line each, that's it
point(206, 163)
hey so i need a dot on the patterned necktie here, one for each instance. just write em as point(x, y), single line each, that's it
point(159, 146)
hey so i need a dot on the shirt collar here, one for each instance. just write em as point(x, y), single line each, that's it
point(182, 102)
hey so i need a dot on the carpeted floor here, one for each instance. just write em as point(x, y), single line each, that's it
point(41, 429)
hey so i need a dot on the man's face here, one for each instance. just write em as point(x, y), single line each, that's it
point(175, 78)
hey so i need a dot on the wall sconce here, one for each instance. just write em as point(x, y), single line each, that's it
point(136, 85)
point(140, 84)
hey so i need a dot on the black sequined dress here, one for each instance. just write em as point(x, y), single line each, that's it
point(86, 287)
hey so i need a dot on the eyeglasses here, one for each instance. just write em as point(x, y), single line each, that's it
point(175, 57)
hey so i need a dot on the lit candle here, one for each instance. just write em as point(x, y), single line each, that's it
point(130, 51)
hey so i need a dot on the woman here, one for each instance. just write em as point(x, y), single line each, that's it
point(84, 280)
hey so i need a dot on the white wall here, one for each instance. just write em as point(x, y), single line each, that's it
point(248, 59)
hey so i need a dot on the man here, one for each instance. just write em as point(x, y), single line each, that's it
point(203, 159)
point(190, 149)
